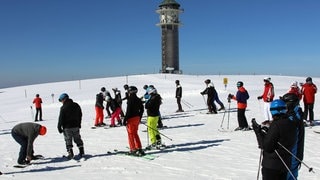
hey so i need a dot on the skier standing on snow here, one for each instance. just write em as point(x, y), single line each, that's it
point(308, 91)
point(132, 120)
point(241, 97)
point(116, 110)
point(216, 98)
point(99, 110)
point(69, 124)
point(153, 106)
point(211, 92)
point(282, 132)
point(118, 98)
point(147, 96)
point(106, 94)
point(179, 95)
point(37, 101)
point(295, 114)
point(25, 134)
point(267, 97)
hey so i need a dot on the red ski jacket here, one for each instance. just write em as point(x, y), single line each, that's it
point(308, 91)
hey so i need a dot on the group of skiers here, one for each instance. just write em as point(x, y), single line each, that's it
point(151, 101)
point(280, 136)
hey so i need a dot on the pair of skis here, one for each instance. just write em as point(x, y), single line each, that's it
point(126, 153)
point(36, 157)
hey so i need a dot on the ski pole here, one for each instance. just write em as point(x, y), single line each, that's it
point(148, 136)
point(157, 131)
point(204, 100)
point(310, 168)
point(285, 165)
point(224, 114)
point(229, 101)
point(186, 102)
point(32, 114)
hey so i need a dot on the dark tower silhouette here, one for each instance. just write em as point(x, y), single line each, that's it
point(169, 22)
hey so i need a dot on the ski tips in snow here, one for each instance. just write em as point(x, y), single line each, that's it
point(21, 165)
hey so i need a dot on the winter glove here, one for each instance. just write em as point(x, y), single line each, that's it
point(60, 130)
point(201, 93)
point(259, 97)
point(257, 129)
point(230, 96)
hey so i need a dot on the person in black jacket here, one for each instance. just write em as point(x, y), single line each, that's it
point(179, 95)
point(99, 110)
point(70, 123)
point(275, 141)
point(211, 92)
point(116, 111)
point(295, 114)
point(153, 106)
point(132, 120)
point(25, 134)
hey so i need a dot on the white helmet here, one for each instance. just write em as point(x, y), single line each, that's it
point(267, 79)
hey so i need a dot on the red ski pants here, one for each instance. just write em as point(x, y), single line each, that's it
point(133, 137)
point(99, 116)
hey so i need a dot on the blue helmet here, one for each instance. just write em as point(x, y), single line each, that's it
point(277, 107)
point(63, 96)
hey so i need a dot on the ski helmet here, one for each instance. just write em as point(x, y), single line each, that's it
point(294, 84)
point(125, 86)
point(278, 107)
point(291, 99)
point(207, 81)
point(177, 81)
point(309, 79)
point(63, 96)
point(145, 87)
point(239, 84)
point(132, 90)
point(103, 89)
point(267, 79)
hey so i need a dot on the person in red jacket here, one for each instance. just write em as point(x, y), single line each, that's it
point(37, 102)
point(241, 97)
point(267, 97)
point(294, 89)
point(308, 92)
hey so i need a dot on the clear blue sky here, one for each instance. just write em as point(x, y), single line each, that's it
point(57, 40)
